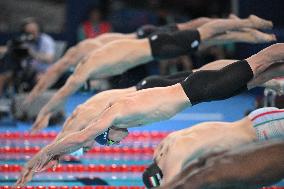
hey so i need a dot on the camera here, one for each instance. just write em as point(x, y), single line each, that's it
point(16, 61)
point(18, 47)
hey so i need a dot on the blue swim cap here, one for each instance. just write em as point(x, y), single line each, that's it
point(103, 139)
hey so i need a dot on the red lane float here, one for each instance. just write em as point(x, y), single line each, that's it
point(50, 135)
point(95, 187)
point(74, 187)
point(95, 150)
point(80, 168)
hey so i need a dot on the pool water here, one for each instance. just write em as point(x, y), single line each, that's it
point(114, 166)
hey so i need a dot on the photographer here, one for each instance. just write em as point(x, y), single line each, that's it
point(12, 62)
point(27, 56)
point(41, 48)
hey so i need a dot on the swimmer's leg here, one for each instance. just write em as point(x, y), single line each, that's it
point(220, 26)
point(246, 36)
point(194, 23)
point(232, 79)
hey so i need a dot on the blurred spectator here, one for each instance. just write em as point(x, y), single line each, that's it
point(42, 46)
point(26, 57)
point(94, 26)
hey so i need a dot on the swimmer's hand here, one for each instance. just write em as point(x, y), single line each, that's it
point(25, 175)
point(28, 170)
point(41, 122)
point(45, 160)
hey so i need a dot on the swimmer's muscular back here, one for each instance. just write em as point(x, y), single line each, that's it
point(188, 144)
point(138, 52)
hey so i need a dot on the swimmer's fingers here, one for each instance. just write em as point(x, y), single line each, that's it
point(40, 123)
point(42, 162)
point(27, 171)
point(25, 176)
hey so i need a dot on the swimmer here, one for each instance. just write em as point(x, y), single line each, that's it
point(88, 111)
point(162, 108)
point(121, 55)
point(244, 167)
point(260, 125)
point(73, 56)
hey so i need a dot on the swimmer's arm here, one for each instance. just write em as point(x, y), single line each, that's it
point(48, 79)
point(76, 140)
point(54, 72)
point(74, 82)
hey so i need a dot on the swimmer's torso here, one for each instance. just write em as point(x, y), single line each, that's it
point(193, 142)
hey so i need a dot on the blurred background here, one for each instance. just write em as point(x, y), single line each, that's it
point(64, 23)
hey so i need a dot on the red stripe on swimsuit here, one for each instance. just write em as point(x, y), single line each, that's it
point(266, 113)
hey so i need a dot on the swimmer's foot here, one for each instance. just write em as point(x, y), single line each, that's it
point(260, 23)
point(260, 37)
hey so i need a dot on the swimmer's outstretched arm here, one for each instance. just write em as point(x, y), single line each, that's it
point(112, 59)
point(80, 118)
point(119, 56)
point(70, 59)
point(245, 167)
